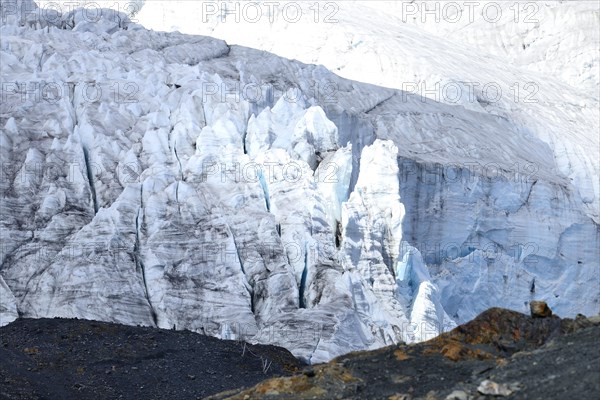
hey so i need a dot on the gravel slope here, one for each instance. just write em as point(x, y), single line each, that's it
point(77, 359)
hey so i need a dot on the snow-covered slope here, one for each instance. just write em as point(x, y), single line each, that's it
point(556, 38)
point(177, 181)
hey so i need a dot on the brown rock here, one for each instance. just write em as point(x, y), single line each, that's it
point(401, 355)
point(31, 350)
point(539, 309)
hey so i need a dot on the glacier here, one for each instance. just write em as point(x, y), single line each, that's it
point(178, 181)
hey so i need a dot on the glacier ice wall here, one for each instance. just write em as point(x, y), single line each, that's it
point(170, 180)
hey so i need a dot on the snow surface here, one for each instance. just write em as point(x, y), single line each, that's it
point(309, 211)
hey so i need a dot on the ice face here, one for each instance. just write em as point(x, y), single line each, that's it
point(165, 179)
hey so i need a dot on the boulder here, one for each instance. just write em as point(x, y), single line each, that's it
point(539, 309)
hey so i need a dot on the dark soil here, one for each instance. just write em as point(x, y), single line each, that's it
point(60, 359)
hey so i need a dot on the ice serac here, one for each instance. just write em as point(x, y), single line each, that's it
point(372, 230)
point(427, 315)
point(150, 189)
